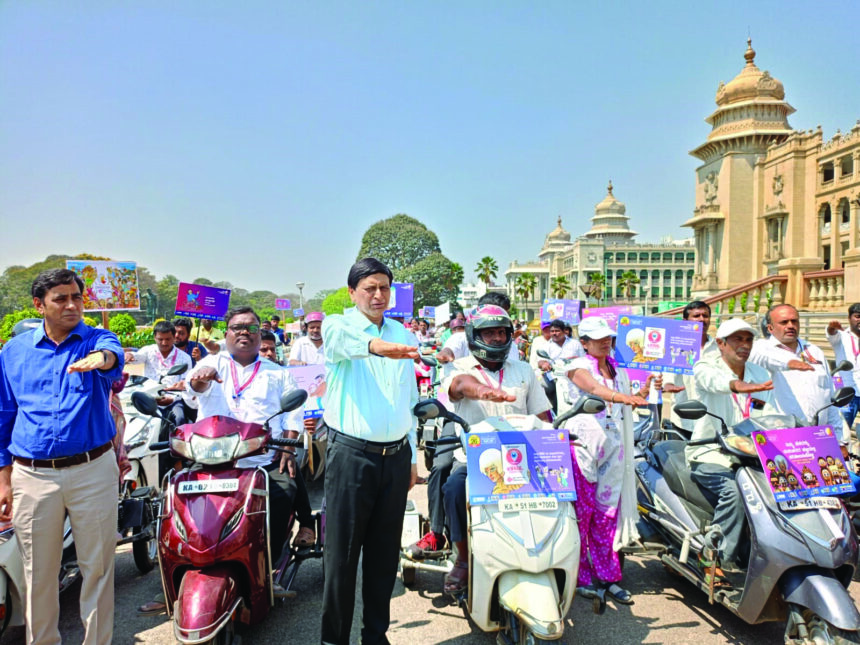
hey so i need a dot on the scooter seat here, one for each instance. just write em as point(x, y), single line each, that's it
point(676, 472)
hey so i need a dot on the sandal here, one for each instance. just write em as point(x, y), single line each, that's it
point(457, 580)
point(153, 607)
point(619, 594)
point(587, 591)
point(305, 538)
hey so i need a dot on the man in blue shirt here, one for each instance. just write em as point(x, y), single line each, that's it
point(371, 454)
point(194, 349)
point(55, 426)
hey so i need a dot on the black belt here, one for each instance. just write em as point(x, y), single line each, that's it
point(65, 462)
point(375, 447)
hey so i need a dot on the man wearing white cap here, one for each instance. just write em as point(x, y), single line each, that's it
point(734, 389)
point(308, 350)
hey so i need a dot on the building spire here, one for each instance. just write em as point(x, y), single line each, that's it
point(749, 54)
point(559, 221)
point(609, 188)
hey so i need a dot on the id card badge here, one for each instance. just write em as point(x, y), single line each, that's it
point(515, 464)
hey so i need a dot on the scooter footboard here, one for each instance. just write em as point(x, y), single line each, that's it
point(205, 604)
point(534, 599)
point(819, 591)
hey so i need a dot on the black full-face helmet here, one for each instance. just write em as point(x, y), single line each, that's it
point(488, 317)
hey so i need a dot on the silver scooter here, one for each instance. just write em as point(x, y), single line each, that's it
point(801, 558)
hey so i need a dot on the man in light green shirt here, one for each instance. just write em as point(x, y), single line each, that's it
point(371, 455)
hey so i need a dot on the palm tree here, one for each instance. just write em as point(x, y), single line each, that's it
point(594, 286)
point(628, 282)
point(559, 286)
point(486, 269)
point(524, 286)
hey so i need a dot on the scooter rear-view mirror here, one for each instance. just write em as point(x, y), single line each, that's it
point(844, 366)
point(691, 410)
point(429, 361)
point(584, 405)
point(292, 400)
point(429, 409)
point(144, 403)
point(542, 353)
point(842, 397)
point(176, 370)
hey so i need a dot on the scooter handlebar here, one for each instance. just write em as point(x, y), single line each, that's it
point(159, 445)
point(702, 442)
point(288, 443)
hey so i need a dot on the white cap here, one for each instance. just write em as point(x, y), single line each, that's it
point(595, 328)
point(733, 325)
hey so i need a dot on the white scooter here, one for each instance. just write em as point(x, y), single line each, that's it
point(523, 563)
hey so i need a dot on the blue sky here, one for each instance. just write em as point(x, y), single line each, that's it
point(256, 141)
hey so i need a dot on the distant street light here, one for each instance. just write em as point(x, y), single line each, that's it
point(301, 285)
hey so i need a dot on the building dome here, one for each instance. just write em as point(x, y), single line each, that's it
point(610, 221)
point(610, 205)
point(557, 241)
point(752, 83)
point(558, 234)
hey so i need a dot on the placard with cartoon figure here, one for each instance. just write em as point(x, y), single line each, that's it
point(566, 310)
point(658, 344)
point(401, 300)
point(611, 314)
point(802, 462)
point(507, 465)
point(201, 301)
point(311, 378)
point(108, 285)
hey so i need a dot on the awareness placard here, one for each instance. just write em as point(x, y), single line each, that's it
point(658, 344)
point(311, 378)
point(402, 294)
point(282, 304)
point(802, 462)
point(108, 285)
point(566, 310)
point(202, 301)
point(427, 312)
point(611, 314)
point(509, 465)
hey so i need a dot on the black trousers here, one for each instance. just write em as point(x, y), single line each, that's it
point(442, 464)
point(365, 503)
point(282, 495)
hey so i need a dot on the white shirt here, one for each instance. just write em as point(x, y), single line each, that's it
point(260, 400)
point(515, 378)
point(799, 393)
point(846, 346)
point(713, 377)
point(155, 365)
point(304, 350)
point(688, 382)
point(459, 345)
point(571, 348)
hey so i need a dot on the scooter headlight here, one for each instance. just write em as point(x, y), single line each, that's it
point(180, 527)
point(205, 450)
point(741, 444)
point(248, 446)
point(232, 523)
point(180, 447)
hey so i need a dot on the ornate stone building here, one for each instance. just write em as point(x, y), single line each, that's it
point(664, 269)
point(774, 201)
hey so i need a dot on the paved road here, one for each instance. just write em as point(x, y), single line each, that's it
point(666, 611)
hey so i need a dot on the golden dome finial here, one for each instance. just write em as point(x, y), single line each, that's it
point(559, 221)
point(609, 188)
point(749, 54)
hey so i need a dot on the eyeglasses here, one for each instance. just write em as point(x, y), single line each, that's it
point(251, 329)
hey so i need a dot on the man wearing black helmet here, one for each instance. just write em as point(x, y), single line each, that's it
point(486, 383)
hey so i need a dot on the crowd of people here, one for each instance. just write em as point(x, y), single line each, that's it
point(56, 430)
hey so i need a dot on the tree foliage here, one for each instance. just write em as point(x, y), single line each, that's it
point(11, 319)
point(628, 282)
point(336, 301)
point(486, 269)
point(122, 324)
point(398, 242)
point(560, 286)
point(524, 286)
point(436, 279)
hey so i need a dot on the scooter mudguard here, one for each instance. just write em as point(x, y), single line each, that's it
point(131, 475)
point(205, 604)
point(819, 591)
point(534, 599)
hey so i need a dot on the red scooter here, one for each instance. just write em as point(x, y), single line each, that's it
point(213, 527)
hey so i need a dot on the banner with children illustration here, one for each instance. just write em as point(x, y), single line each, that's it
point(802, 462)
point(108, 285)
point(658, 344)
point(201, 301)
point(401, 300)
point(311, 378)
point(508, 465)
point(566, 310)
point(611, 314)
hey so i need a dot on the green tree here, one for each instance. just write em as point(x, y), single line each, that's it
point(524, 286)
point(122, 324)
point(436, 279)
point(594, 287)
point(336, 301)
point(398, 242)
point(628, 282)
point(12, 319)
point(486, 269)
point(559, 286)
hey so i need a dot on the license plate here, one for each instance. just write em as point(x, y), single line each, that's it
point(528, 504)
point(208, 486)
point(811, 503)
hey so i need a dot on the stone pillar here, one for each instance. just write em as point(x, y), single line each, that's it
point(835, 224)
point(854, 205)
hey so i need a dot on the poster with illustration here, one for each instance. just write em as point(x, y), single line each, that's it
point(802, 462)
point(509, 464)
point(400, 301)
point(201, 301)
point(311, 378)
point(658, 344)
point(108, 285)
point(428, 313)
point(566, 310)
point(611, 314)
point(282, 304)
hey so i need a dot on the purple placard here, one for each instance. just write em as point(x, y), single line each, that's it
point(402, 294)
point(311, 378)
point(609, 314)
point(521, 464)
point(802, 462)
point(282, 304)
point(566, 310)
point(202, 301)
point(658, 344)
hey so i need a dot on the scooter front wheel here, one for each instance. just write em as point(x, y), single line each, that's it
point(823, 633)
point(225, 637)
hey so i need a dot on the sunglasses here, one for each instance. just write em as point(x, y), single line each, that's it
point(251, 329)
